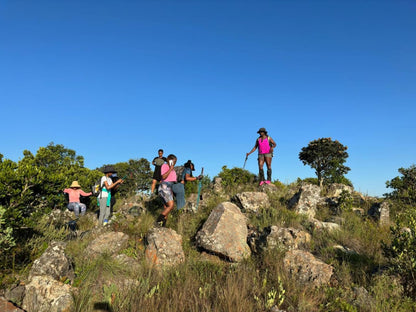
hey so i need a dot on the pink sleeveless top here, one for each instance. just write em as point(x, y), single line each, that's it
point(264, 146)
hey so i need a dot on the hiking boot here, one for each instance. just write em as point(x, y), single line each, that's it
point(267, 182)
point(105, 222)
point(261, 183)
point(160, 221)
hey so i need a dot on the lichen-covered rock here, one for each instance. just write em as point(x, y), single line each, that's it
point(380, 212)
point(53, 262)
point(251, 201)
point(225, 233)
point(109, 242)
point(289, 238)
point(335, 189)
point(164, 247)
point(306, 200)
point(320, 225)
point(45, 294)
point(306, 269)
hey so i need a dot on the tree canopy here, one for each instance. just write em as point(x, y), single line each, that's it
point(327, 157)
point(404, 186)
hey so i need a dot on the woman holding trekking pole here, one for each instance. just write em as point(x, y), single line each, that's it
point(265, 145)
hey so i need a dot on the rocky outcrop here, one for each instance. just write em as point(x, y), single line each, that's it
point(307, 269)
point(53, 262)
point(225, 233)
point(251, 201)
point(45, 294)
point(164, 247)
point(109, 242)
point(288, 238)
point(306, 200)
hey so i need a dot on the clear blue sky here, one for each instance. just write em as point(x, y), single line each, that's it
point(199, 78)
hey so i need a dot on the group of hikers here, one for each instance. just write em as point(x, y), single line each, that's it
point(171, 183)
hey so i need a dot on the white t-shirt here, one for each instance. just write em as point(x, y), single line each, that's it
point(109, 182)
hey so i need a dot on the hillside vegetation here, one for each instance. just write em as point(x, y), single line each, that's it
point(374, 263)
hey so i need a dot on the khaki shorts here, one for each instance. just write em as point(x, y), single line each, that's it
point(268, 155)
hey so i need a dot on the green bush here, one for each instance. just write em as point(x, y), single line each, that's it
point(401, 252)
point(236, 177)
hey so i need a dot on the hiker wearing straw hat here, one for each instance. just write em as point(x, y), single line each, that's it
point(104, 199)
point(265, 144)
point(74, 192)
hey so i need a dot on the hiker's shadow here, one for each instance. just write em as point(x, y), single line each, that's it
point(154, 205)
point(102, 306)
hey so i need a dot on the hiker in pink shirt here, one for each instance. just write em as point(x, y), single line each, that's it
point(266, 145)
point(74, 192)
point(165, 188)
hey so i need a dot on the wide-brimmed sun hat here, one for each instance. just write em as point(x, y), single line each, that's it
point(108, 169)
point(75, 184)
point(262, 130)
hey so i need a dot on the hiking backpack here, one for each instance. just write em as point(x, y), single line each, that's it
point(96, 188)
point(179, 173)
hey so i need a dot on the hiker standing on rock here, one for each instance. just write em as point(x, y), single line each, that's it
point(165, 189)
point(74, 192)
point(104, 199)
point(265, 144)
point(157, 162)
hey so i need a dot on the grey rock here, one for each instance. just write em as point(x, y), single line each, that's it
point(164, 247)
point(53, 262)
point(306, 269)
point(251, 201)
point(225, 233)
point(320, 225)
point(306, 200)
point(335, 189)
point(109, 242)
point(380, 212)
point(45, 294)
point(288, 238)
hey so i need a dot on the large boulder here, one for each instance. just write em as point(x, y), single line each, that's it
point(307, 269)
point(45, 294)
point(164, 247)
point(306, 200)
point(251, 201)
point(225, 233)
point(288, 238)
point(109, 242)
point(53, 262)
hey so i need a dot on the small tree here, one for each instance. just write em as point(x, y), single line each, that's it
point(327, 157)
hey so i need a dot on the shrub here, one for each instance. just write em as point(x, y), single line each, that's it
point(401, 252)
point(236, 177)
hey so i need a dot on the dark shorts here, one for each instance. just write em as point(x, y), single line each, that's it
point(269, 155)
point(157, 175)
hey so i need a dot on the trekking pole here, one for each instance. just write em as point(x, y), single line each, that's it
point(245, 161)
point(199, 189)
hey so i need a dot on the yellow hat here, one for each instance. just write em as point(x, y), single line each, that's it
point(75, 184)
